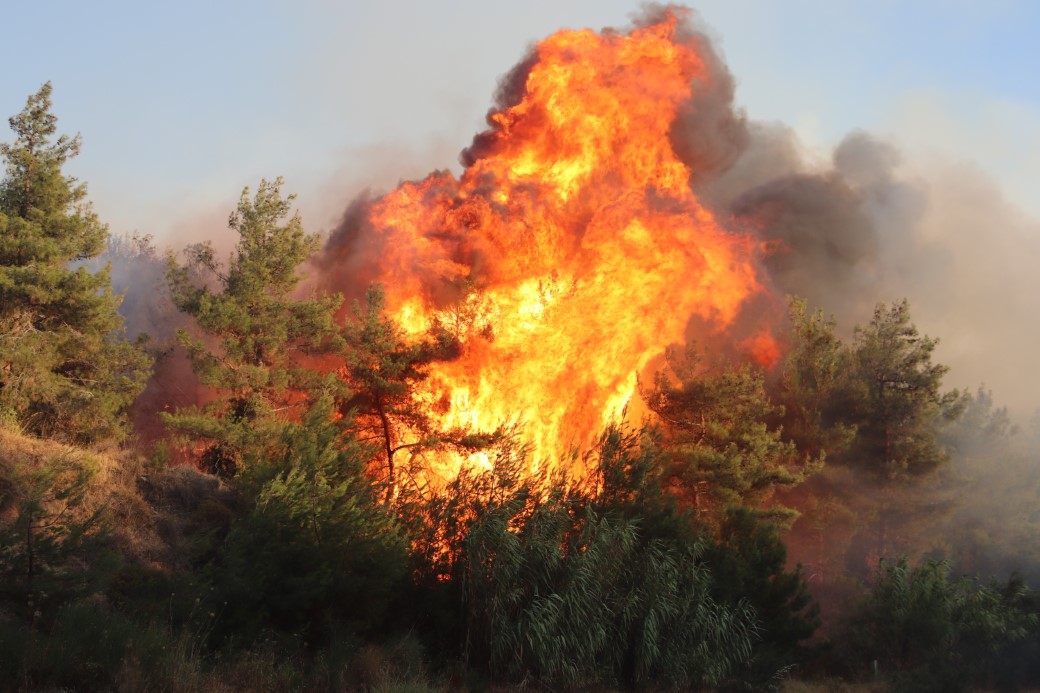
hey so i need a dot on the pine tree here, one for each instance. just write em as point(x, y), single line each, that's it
point(901, 401)
point(65, 368)
point(814, 378)
point(382, 369)
point(264, 337)
point(927, 631)
point(896, 402)
point(315, 552)
point(52, 550)
point(717, 431)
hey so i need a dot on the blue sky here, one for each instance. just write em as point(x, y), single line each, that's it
point(182, 104)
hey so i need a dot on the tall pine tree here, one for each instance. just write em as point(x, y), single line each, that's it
point(66, 369)
point(901, 403)
point(895, 401)
point(263, 335)
point(717, 430)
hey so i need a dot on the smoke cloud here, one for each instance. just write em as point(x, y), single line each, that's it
point(868, 226)
point(873, 227)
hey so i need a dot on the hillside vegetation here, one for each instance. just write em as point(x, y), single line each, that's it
point(296, 524)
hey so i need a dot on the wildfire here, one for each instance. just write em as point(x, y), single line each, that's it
point(571, 251)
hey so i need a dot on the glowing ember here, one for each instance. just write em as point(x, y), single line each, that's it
point(571, 251)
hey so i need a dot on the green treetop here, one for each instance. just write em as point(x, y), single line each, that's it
point(64, 369)
point(383, 368)
point(814, 380)
point(901, 401)
point(717, 429)
point(264, 337)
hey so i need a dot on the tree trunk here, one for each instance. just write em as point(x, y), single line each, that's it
point(385, 421)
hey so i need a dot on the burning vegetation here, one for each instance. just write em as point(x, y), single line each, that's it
point(550, 420)
point(570, 252)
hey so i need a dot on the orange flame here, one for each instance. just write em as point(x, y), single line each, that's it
point(575, 223)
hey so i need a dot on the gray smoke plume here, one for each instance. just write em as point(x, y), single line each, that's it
point(871, 227)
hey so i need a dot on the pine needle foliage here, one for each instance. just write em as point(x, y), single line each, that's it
point(723, 448)
point(814, 379)
point(900, 403)
point(51, 551)
point(66, 369)
point(255, 336)
point(382, 369)
point(315, 552)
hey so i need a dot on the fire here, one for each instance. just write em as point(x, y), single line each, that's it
point(571, 251)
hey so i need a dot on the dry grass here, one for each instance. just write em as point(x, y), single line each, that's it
point(148, 510)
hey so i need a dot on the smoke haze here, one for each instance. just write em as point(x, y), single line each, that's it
point(873, 227)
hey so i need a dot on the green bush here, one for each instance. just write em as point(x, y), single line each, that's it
point(316, 552)
point(924, 631)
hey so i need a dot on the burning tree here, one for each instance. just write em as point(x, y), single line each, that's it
point(382, 370)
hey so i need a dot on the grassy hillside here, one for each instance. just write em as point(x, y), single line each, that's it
point(116, 536)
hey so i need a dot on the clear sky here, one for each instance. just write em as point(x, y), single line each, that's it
point(181, 104)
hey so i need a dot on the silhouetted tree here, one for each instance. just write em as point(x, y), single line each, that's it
point(927, 632)
point(383, 369)
point(315, 553)
point(51, 550)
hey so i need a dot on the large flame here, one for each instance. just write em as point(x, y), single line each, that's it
point(571, 251)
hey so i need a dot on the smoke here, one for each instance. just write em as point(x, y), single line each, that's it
point(829, 242)
point(979, 290)
point(872, 227)
point(869, 225)
point(509, 93)
point(138, 273)
point(710, 133)
point(350, 259)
